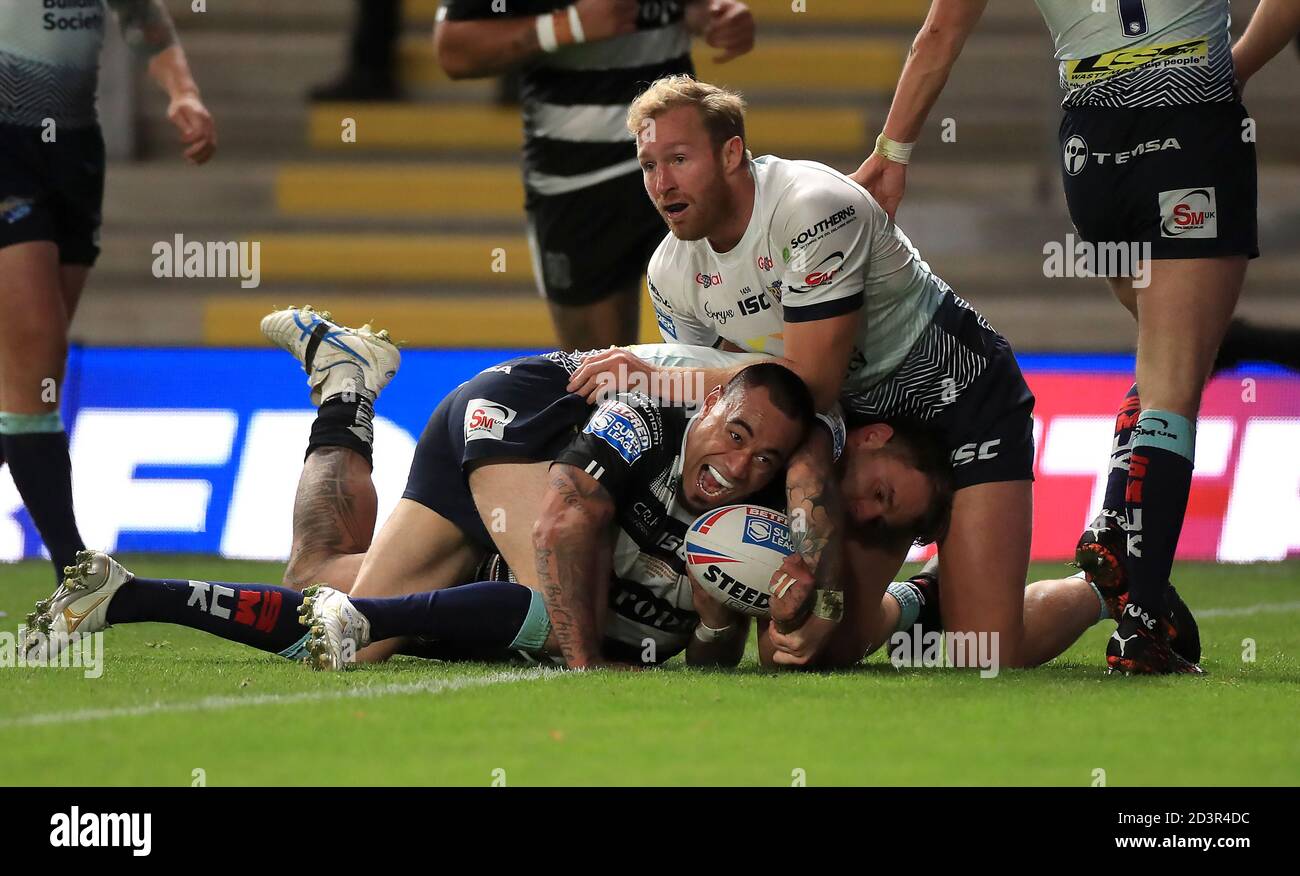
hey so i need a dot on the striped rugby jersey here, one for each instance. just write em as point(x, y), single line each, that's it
point(1141, 53)
point(575, 100)
point(49, 61)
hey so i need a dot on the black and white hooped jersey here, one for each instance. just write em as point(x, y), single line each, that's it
point(1140, 53)
point(633, 448)
point(575, 100)
point(817, 246)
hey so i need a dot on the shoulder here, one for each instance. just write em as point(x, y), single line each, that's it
point(632, 424)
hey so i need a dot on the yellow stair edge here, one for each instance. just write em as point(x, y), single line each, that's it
point(418, 321)
point(405, 126)
point(500, 259)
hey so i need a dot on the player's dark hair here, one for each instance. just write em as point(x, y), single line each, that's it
point(789, 394)
point(922, 447)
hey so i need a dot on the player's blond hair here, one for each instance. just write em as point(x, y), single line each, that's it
point(723, 111)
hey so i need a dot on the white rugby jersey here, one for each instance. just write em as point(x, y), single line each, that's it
point(1136, 53)
point(817, 246)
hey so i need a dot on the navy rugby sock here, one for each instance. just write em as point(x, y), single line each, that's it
point(1120, 450)
point(1159, 482)
point(261, 615)
point(490, 616)
point(36, 447)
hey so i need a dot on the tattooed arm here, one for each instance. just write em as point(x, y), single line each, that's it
point(148, 30)
point(816, 526)
point(574, 552)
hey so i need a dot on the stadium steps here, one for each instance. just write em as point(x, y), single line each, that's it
point(407, 217)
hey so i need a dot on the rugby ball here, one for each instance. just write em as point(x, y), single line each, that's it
point(733, 552)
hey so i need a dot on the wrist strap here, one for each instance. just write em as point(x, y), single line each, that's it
point(828, 605)
point(575, 25)
point(899, 153)
point(706, 633)
point(546, 33)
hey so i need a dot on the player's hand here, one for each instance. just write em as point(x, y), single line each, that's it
point(612, 371)
point(792, 588)
point(194, 122)
point(800, 647)
point(602, 19)
point(730, 28)
point(886, 181)
point(713, 614)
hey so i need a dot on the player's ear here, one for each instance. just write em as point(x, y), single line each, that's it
point(711, 399)
point(874, 436)
point(733, 153)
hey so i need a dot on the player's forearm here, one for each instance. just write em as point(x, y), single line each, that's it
point(572, 552)
point(470, 49)
point(816, 514)
point(566, 569)
point(929, 61)
point(170, 69)
point(1273, 25)
point(724, 652)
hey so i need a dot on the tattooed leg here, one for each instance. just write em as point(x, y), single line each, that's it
point(333, 519)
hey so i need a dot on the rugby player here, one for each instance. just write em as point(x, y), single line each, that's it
point(1155, 71)
point(589, 231)
point(511, 469)
point(797, 260)
point(51, 191)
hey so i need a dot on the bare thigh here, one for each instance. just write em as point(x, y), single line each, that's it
point(33, 328)
point(508, 496)
point(416, 550)
point(983, 561)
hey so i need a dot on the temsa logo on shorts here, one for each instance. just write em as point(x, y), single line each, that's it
point(485, 418)
point(1188, 213)
point(1139, 149)
point(707, 280)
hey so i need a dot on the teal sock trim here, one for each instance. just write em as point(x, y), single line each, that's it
point(294, 651)
point(909, 603)
point(537, 626)
point(1166, 430)
point(30, 424)
point(1104, 612)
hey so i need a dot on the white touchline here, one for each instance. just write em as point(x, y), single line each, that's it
point(221, 703)
point(1260, 608)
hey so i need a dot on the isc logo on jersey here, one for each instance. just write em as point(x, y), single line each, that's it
point(621, 428)
point(485, 418)
point(1188, 213)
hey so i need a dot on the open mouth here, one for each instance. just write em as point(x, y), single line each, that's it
point(675, 210)
point(713, 483)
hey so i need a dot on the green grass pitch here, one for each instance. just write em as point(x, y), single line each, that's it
point(172, 701)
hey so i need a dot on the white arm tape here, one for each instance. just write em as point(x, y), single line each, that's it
point(546, 33)
point(833, 420)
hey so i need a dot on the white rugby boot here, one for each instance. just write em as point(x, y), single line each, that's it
point(336, 358)
point(78, 605)
point(336, 630)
